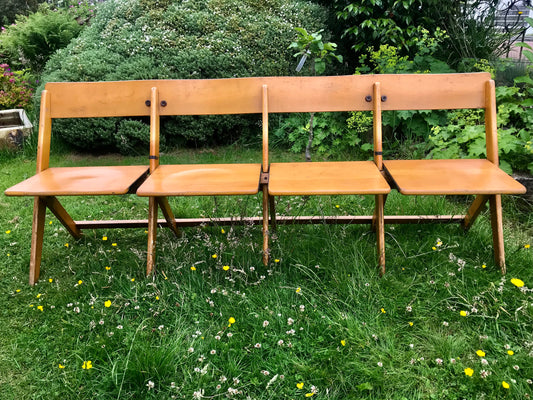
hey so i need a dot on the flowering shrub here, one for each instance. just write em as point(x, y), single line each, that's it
point(15, 91)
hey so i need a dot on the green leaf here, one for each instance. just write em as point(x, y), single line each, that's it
point(365, 386)
point(506, 167)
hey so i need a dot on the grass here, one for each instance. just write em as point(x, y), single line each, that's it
point(214, 322)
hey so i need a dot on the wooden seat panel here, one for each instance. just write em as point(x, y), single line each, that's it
point(75, 181)
point(439, 177)
point(202, 180)
point(326, 178)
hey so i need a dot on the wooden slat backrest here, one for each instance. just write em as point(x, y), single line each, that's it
point(285, 94)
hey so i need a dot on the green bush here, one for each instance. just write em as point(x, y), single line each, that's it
point(15, 90)
point(31, 41)
point(162, 39)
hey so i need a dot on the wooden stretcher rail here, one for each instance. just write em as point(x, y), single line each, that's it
point(281, 220)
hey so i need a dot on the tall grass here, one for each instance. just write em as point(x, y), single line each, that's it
point(215, 323)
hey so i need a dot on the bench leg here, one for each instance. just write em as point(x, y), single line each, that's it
point(63, 216)
point(169, 215)
point(266, 232)
point(379, 223)
point(272, 201)
point(37, 233)
point(475, 209)
point(496, 221)
point(152, 235)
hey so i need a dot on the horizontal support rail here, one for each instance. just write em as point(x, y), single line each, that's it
point(281, 220)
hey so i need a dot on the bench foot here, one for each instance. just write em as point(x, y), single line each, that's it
point(39, 214)
point(496, 221)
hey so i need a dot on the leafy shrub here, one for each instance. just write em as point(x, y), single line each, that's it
point(15, 90)
point(33, 39)
point(163, 39)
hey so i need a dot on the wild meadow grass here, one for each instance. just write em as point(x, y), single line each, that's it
point(318, 322)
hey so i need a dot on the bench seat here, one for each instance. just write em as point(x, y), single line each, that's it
point(76, 181)
point(326, 178)
point(451, 177)
point(202, 180)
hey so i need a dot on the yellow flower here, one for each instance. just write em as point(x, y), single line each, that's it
point(87, 365)
point(114, 244)
point(107, 268)
point(517, 282)
point(133, 279)
point(50, 280)
point(222, 230)
point(193, 268)
point(298, 290)
point(527, 246)
point(225, 267)
point(39, 295)
point(231, 320)
point(8, 232)
point(505, 385)
point(276, 260)
point(40, 308)
point(463, 313)
point(66, 244)
point(104, 238)
point(107, 304)
point(411, 324)
point(510, 352)
point(80, 282)
point(337, 206)
point(383, 311)
point(343, 342)
point(50, 223)
point(18, 290)
point(300, 385)
point(469, 371)
point(433, 248)
point(480, 353)
point(483, 266)
point(214, 256)
point(157, 297)
point(61, 366)
point(309, 394)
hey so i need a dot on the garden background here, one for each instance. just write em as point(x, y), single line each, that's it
point(442, 323)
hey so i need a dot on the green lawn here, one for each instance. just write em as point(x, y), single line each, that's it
point(443, 323)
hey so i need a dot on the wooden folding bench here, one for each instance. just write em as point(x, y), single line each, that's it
point(480, 177)
point(80, 100)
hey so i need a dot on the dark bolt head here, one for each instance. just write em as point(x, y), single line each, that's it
point(383, 98)
point(148, 103)
point(163, 103)
point(368, 99)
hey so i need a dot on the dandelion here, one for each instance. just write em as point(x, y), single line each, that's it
point(276, 260)
point(225, 267)
point(87, 365)
point(193, 268)
point(483, 266)
point(50, 280)
point(214, 256)
point(337, 206)
point(40, 308)
point(343, 342)
point(309, 394)
point(505, 385)
point(480, 353)
point(104, 238)
point(527, 246)
point(510, 352)
point(463, 313)
point(107, 304)
point(61, 366)
point(383, 311)
point(114, 244)
point(66, 244)
point(107, 268)
point(8, 232)
point(433, 248)
point(222, 231)
point(300, 385)
point(469, 371)
point(517, 282)
point(80, 282)
point(411, 324)
point(231, 320)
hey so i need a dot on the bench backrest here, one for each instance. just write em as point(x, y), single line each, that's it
point(264, 95)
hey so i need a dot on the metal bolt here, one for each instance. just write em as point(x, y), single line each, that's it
point(368, 99)
point(148, 103)
point(163, 103)
point(383, 98)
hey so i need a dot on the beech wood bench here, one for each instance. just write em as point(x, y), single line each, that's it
point(264, 96)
